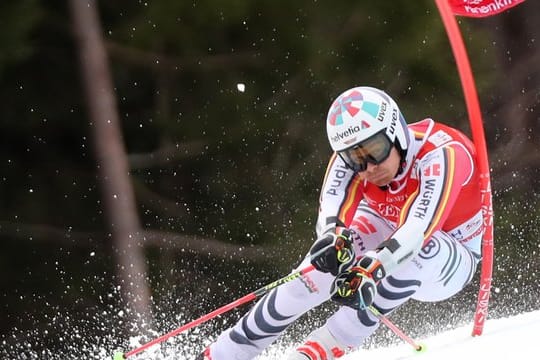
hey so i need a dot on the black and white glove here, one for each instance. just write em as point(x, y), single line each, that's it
point(333, 253)
point(357, 287)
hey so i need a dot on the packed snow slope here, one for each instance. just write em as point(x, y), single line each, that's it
point(507, 338)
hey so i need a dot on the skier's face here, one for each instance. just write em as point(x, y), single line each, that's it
point(382, 174)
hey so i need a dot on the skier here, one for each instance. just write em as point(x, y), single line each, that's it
point(399, 218)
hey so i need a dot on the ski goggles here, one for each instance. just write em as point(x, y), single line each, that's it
point(374, 149)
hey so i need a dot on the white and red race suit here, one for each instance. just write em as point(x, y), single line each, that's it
point(431, 211)
point(438, 189)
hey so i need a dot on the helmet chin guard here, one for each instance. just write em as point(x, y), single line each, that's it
point(362, 112)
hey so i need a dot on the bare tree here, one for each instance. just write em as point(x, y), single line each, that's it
point(112, 162)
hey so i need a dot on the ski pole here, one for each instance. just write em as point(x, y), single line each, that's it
point(251, 296)
point(396, 330)
point(350, 285)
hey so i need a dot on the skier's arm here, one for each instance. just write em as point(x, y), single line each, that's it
point(441, 174)
point(340, 194)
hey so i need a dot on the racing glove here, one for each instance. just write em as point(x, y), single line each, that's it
point(334, 253)
point(357, 286)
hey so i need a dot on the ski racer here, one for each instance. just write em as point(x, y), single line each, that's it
point(399, 218)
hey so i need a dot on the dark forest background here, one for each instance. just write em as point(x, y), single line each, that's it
point(141, 188)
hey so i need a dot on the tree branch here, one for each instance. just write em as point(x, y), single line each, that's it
point(158, 60)
point(165, 155)
point(150, 239)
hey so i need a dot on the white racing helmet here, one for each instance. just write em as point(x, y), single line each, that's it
point(362, 116)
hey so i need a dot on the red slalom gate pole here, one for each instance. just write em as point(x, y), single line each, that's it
point(477, 128)
point(249, 297)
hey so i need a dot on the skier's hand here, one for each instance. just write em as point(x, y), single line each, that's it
point(333, 253)
point(357, 287)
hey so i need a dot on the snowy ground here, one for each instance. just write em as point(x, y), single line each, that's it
point(503, 339)
point(508, 338)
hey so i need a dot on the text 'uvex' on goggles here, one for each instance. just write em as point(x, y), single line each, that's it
point(374, 149)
